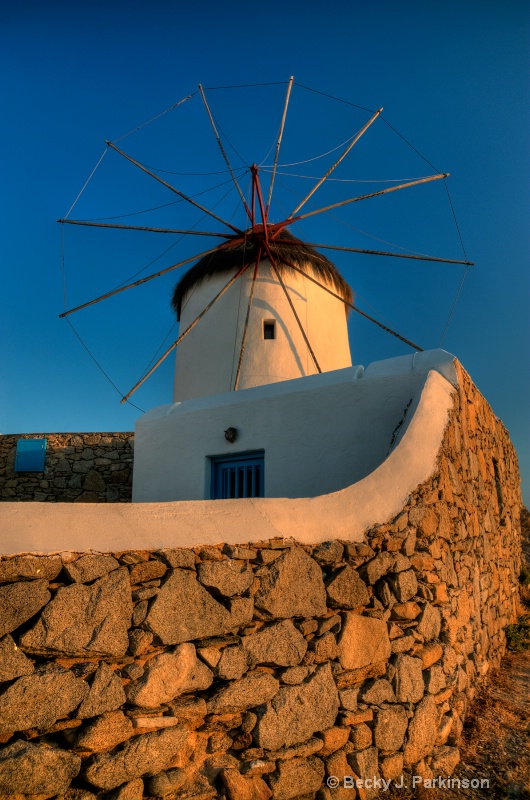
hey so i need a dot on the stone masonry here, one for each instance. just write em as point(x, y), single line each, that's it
point(79, 468)
point(256, 671)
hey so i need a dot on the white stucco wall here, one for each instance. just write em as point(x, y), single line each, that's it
point(207, 358)
point(319, 434)
point(344, 514)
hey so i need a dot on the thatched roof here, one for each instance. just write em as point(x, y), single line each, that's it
point(231, 259)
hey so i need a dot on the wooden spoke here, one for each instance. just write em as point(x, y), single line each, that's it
point(188, 329)
point(245, 330)
point(336, 164)
point(293, 309)
point(172, 188)
point(137, 283)
point(383, 253)
point(141, 228)
point(354, 308)
point(278, 143)
point(262, 209)
point(223, 151)
point(372, 194)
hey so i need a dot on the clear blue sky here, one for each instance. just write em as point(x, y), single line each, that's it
point(453, 80)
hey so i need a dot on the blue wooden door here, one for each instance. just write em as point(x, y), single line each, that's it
point(30, 455)
point(242, 475)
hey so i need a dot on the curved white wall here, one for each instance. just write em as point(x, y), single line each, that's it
point(319, 434)
point(207, 358)
point(344, 514)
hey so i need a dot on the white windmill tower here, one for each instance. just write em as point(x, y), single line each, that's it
point(257, 311)
point(273, 324)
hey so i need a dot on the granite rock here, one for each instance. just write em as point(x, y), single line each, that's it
point(233, 663)
point(178, 557)
point(444, 728)
point(377, 567)
point(297, 778)
point(33, 769)
point(429, 623)
point(360, 736)
point(383, 593)
point(93, 482)
point(408, 679)
point(105, 732)
point(430, 654)
point(132, 790)
point(345, 589)
point(90, 567)
point(143, 755)
point(408, 610)
point(403, 644)
point(423, 730)
point(106, 693)
point(280, 644)
point(235, 551)
point(337, 765)
point(77, 794)
point(166, 782)
point(363, 641)
point(13, 662)
point(434, 678)
point(21, 601)
point(445, 760)
point(184, 610)
point(292, 586)
point(365, 764)
point(392, 767)
point(404, 585)
point(228, 577)
point(240, 787)
point(449, 659)
point(24, 568)
point(139, 613)
point(323, 648)
point(377, 692)
point(189, 710)
point(390, 727)
point(85, 620)
point(168, 675)
point(348, 699)
point(241, 611)
point(296, 712)
point(328, 553)
point(295, 675)
point(254, 689)
point(147, 571)
point(39, 699)
point(140, 641)
point(333, 738)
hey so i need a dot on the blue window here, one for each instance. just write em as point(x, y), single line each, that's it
point(30, 455)
point(236, 476)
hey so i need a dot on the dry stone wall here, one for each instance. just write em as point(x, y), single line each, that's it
point(261, 670)
point(79, 468)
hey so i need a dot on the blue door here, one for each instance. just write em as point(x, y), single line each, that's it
point(237, 476)
point(30, 455)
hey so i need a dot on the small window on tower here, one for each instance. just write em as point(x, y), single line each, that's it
point(269, 329)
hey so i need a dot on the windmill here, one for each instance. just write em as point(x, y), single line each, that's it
point(259, 283)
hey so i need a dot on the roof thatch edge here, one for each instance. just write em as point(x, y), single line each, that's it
point(231, 259)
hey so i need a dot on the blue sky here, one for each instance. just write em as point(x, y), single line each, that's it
point(452, 78)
